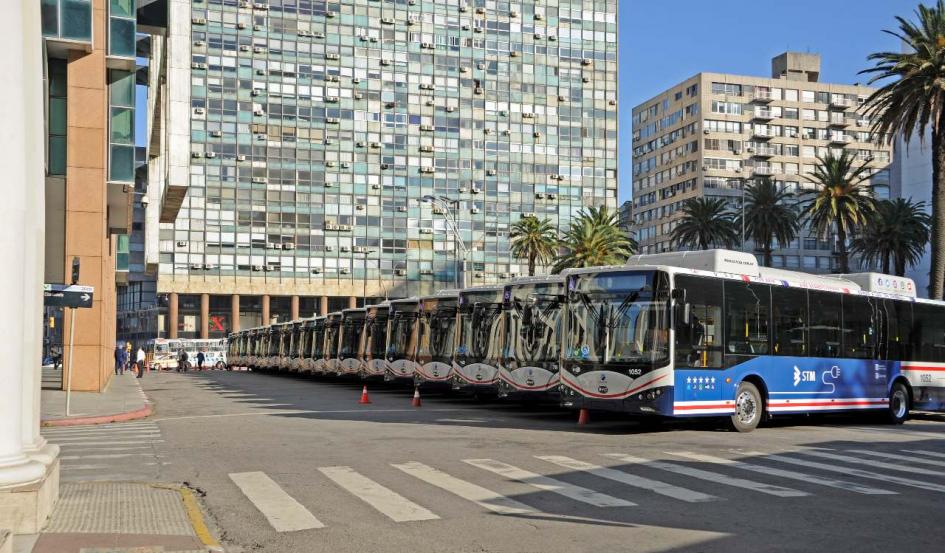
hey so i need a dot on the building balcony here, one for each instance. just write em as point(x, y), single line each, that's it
point(761, 151)
point(761, 171)
point(762, 96)
point(762, 115)
point(839, 139)
point(761, 133)
point(842, 122)
point(842, 103)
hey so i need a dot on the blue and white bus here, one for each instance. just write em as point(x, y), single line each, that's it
point(712, 333)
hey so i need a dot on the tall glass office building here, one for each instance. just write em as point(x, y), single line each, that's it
point(318, 128)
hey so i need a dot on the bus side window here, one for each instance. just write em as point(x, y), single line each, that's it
point(930, 327)
point(789, 321)
point(859, 328)
point(747, 308)
point(824, 324)
point(698, 323)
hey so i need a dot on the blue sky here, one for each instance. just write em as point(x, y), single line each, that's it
point(664, 42)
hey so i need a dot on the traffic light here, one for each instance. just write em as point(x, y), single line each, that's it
point(75, 270)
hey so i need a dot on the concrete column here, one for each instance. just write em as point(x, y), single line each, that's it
point(172, 315)
point(21, 139)
point(294, 308)
point(204, 316)
point(235, 313)
point(323, 305)
point(265, 309)
point(352, 302)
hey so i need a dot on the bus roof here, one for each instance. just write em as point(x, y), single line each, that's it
point(548, 279)
point(733, 264)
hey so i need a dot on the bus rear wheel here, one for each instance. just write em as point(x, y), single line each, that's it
point(749, 408)
point(898, 404)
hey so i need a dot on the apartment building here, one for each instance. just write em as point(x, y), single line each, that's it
point(714, 133)
point(325, 153)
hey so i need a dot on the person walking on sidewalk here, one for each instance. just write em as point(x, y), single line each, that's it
point(140, 360)
point(119, 360)
point(200, 359)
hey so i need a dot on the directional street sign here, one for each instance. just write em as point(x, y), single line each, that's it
point(64, 295)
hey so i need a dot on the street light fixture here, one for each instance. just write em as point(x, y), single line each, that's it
point(449, 206)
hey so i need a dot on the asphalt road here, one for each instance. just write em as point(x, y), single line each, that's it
point(291, 464)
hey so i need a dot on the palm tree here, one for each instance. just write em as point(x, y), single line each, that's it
point(897, 235)
point(594, 239)
point(912, 104)
point(769, 215)
point(841, 201)
point(535, 240)
point(705, 222)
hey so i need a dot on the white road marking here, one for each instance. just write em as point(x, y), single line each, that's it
point(107, 456)
point(770, 471)
point(487, 499)
point(547, 484)
point(906, 458)
point(655, 486)
point(283, 512)
point(68, 466)
point(395, 506)
point(103, 436)
point(852, 472)
point(925, 452)
point(710, 476)
point(110, 443)
point(870, 462)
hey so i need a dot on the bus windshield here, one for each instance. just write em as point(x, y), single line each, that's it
point(618, 319)
point(318, 340)
point(331, 338)
point(479, 324)
point(440, 324)
point(377, 333)
point(533, 324)
point(402, 325)
point(351, 335)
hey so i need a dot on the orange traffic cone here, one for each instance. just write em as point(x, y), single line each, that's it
point(416, 397)
point(583, 416)
point(364, 397)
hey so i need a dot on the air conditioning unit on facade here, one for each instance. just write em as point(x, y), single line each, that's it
point(259, 180)
point(211, 155)
point(400, 272)
point(332, 56)
point(427, 170)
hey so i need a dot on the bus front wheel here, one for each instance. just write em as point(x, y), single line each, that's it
point(749, 408)
point(898, 404)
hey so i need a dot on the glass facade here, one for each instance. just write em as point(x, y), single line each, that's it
point(121, 28)
point(318, 127)
point(121, 126)
point(67, 19)
point(57, 105)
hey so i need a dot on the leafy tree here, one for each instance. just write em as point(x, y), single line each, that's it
point(594, 239)
point(706, 222)
point(896, 236)
point(535, 240)
point(911, 104)
point(769, 215)
point(841, 202)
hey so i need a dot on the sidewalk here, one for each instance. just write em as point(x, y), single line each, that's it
point(123, 400)
point(122, 517)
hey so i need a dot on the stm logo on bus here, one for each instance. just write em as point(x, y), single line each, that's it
point(803, 376)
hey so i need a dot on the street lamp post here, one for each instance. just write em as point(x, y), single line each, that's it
point(364, 280)
point(449, 206)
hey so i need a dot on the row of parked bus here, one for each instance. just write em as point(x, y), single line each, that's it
point(683, 334)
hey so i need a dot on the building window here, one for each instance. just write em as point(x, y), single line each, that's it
point(67, 19)
point(121, 253)
point(121, 99)
point(56, 125)
point(121, 28)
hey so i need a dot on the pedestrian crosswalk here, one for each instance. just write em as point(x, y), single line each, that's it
point(604, 480)
point(108, 452)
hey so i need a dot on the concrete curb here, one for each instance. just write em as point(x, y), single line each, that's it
point(101, 419)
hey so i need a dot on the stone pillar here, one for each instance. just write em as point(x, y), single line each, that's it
point(265, 310)
point(28, 487)
point(172, 315)
point(235, 313)
point(352, 302)
point(323, 306)
point(204, 316)
point(294, 308)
